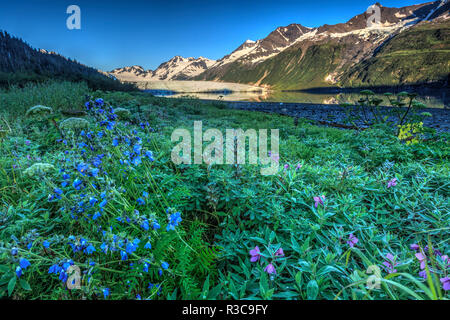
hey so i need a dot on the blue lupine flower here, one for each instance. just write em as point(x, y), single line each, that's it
point(94, 172)
point(96, 215)
point(115, 142)
point(18, 272)
point(46, 244)
point(123, 255)
point(54, 269)
point(149, 155)
point(164, 265)
point(104, 247)
point(145, 268)
point(145, 225)
point(24, 263)
point(141, 201)
point(130, 248)
point(90, 249)
point(99, 102)
point(77, 184)
point(103, 203)
point(63, 276)
point(155, 225)
point(82, 168)
point(145, 194)
point(92, 201)
point(137, 148)
point(106, 292)
point(136, 161)
point(148, 245)
point(14, 251)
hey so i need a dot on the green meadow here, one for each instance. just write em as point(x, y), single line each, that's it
point(92, 206)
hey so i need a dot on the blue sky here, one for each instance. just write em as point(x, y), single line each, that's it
point(121, 33)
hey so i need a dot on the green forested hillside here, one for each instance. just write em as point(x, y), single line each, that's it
point(291, 69)
point(20, 63)
point(418, 55)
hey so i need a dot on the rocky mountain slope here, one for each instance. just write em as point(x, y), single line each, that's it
point(296, 57)
point(407, 45)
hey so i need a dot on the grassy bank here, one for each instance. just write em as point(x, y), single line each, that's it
point(110, 202)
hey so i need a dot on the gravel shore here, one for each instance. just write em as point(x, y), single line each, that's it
point(440, 119)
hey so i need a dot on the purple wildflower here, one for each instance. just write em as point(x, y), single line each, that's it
point(423, 274)
point(279, 253)
point(390, 264)
point(422, 259)
point(255, 254)
point(392, 183)
point(318, 200)
point(352, 240)
point(445, 283)
point(270, 269)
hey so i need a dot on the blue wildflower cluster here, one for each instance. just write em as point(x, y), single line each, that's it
point(174, 219)
point(94, 166)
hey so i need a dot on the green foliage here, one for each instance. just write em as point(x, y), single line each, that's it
point(368, 111)
point(228, 210)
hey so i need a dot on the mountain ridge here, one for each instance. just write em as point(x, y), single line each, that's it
point(298, 57)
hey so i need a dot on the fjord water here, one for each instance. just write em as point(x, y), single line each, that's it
point(432, 98)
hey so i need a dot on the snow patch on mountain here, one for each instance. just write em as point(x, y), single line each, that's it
point(177, 68)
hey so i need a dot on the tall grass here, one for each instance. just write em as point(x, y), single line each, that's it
point(15, 101)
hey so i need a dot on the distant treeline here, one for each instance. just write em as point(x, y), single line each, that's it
point(20, 64)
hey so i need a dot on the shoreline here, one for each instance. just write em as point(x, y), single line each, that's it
point(327, 113)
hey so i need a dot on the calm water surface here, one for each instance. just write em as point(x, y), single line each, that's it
point(432, 98)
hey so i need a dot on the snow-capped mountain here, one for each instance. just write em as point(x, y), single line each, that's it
point(297, 56)
point(177, 68)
